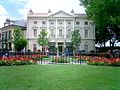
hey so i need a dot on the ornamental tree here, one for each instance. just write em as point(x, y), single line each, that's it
point(42, 39)
point(75, 40)
point(20, 42)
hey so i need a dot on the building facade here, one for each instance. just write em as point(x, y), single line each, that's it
point(6, 39)
point(59, 26)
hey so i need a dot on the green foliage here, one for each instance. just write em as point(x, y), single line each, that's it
point(60, 60)
point(75, 40)
point(105, 13)
point(42, 39)
point(37, 59)
point(20, 41)
point(20, 44)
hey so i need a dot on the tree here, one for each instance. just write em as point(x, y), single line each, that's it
point(42, 39)
point(75, 40)
point(105, 14)
point(19, 40)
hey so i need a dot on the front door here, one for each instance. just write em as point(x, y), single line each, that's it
point(60, 49)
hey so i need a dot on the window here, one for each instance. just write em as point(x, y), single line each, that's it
point(6, 34)
point(34, 47)
point(69, 23)
point(68, 32)
point(52, 33)
point(60, 22)
point(35, 22)
point(35, 32)
point(86, 47)
point(3, 35)
point(86, 33)
point(10, 45)
point(43, 22)
point(86, 23)
point(77, 23)
point(51, 22)
point(60, 32)
point(9, 34)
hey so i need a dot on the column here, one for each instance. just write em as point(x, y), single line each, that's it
point(65, 33)
point(64, 28)
point(56, 46)
point(48, 28)
point(56, 29)
point(56, 38)
point(64, 44)
point(73, 24)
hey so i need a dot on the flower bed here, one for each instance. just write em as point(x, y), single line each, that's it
point(10, 61)
point(105, 62)
point(101, 61)
point(20, 59)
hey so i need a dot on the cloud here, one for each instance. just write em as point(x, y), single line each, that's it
point(3, 15)
point(17, 1)
point(23, 12)
point(40, 6)
point(55, 5)
point(2, 20)
point(3, 11)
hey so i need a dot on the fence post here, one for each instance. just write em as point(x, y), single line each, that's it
point(80, 58)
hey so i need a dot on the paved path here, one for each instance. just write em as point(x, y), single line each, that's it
point(48, 62)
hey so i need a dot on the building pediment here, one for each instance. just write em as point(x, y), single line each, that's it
point(61, 14)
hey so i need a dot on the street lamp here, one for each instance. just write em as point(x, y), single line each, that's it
point(57, 46)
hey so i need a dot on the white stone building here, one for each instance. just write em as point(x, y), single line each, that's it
point(59, 26)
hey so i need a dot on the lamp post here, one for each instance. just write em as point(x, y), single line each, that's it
point(57, 47)
point(64, 44)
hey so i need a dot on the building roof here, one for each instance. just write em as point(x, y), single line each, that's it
point(20, 23)
point(38, 15)
point(52, 14)
point(11, 26)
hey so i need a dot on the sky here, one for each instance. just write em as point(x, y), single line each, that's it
point(18, 9)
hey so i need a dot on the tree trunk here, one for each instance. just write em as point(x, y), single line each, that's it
point(104, 43)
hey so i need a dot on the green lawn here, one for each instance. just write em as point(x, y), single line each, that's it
point(59, 77)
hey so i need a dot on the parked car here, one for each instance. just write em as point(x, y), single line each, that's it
point(68, 53)
point(116, 53)
point(52, 53)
